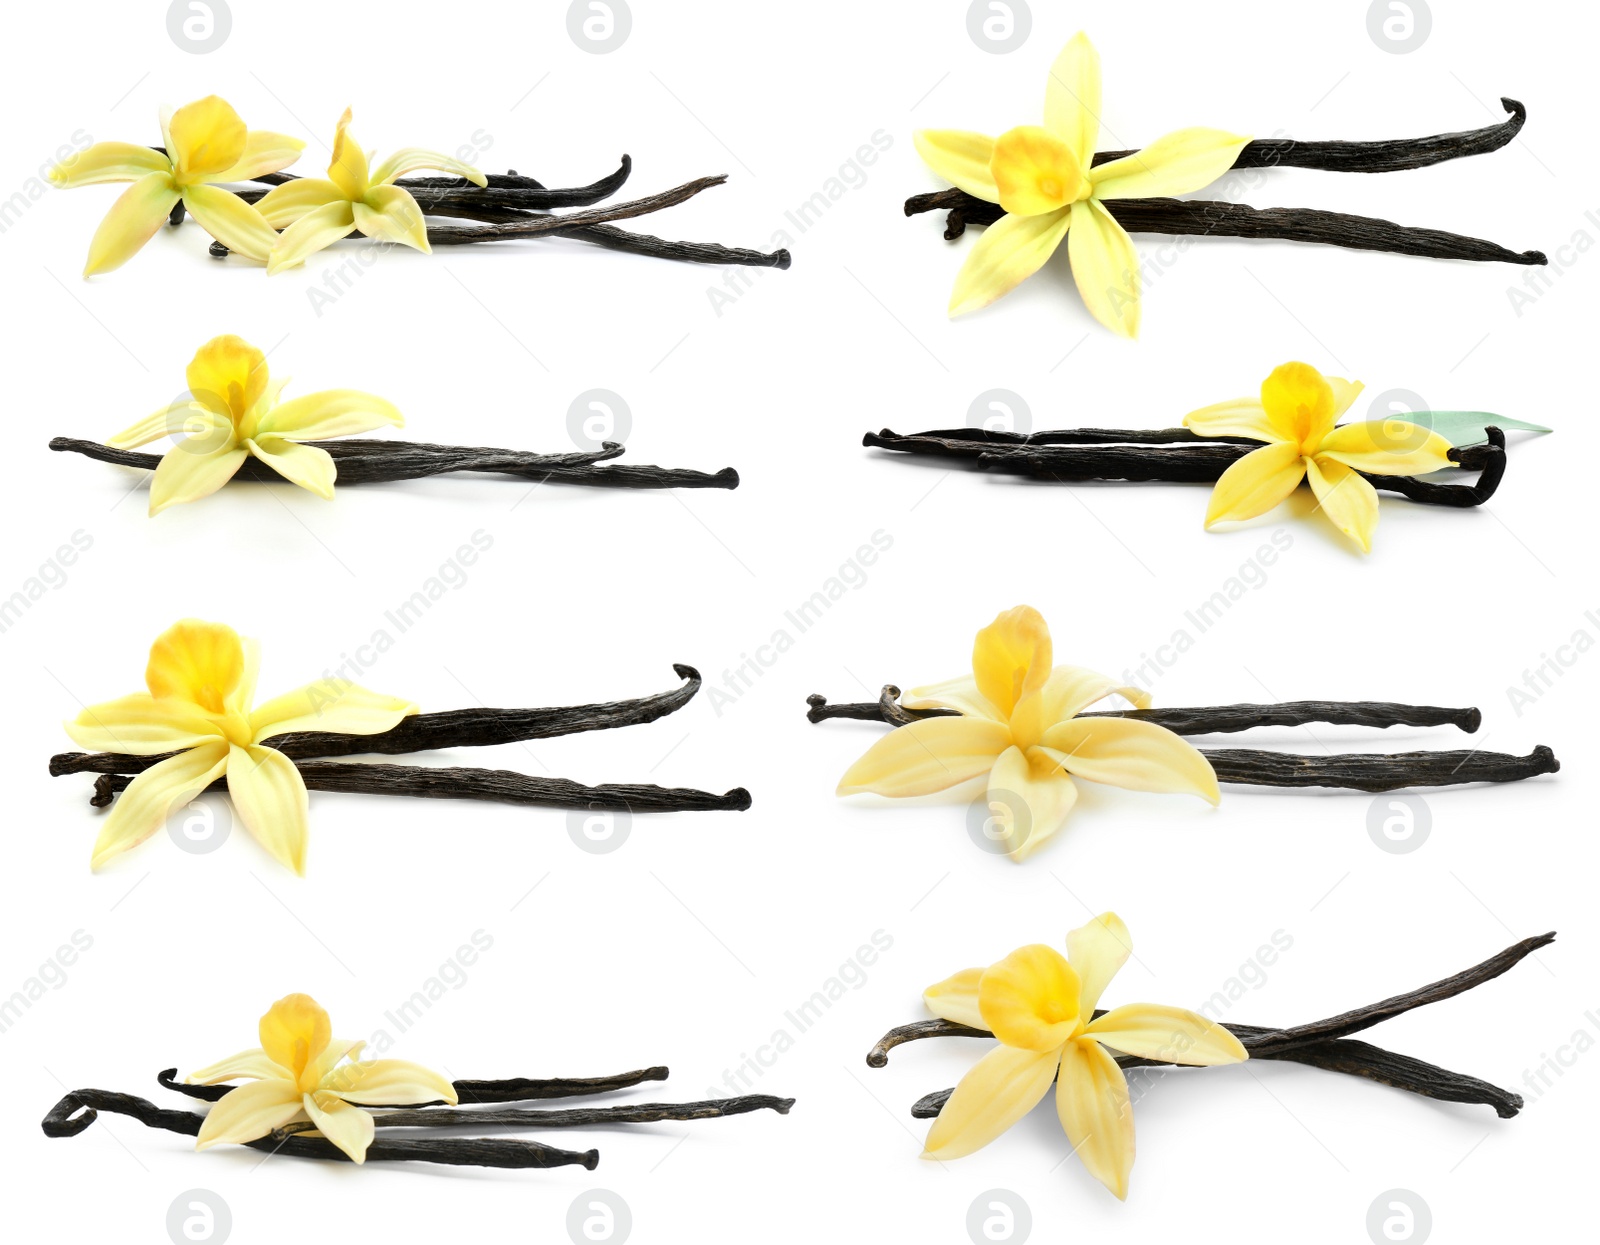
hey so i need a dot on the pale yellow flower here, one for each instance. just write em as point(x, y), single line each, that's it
point(1041, 1005)
point(1295, 416)
point(1018, 726)
point(206, 143)
point(1043, 178)
point(232, 413)
point(298, 1073)
point(315, 212)
point(202, 680)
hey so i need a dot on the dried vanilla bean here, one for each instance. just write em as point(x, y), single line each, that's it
point(371, 461)
point(498, 786)
point(568, 1117)
point(1162, 455)
point(1321, 1043)
point(453, 728)
point(1359, 771)
point(80, 1108)
point(511, 1089)
point(1240, 220)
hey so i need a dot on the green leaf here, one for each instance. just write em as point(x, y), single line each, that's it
point(1467, 427)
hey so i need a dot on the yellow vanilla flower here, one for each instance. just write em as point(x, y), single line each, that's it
point(1042, 176)
point(202, 681)
point(1295, 416)
point(298, 1073)
point(206, 143)
point(233, 413)
point(1018, 726)
point(1041, 1005)
point(315, 212)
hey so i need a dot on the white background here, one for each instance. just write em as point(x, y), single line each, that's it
point(689, 944)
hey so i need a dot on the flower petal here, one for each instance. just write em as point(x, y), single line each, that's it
point(1137, 756)
point(1068, 691)
point(961, 158)
point(329, 413)
point(927, 756)
point(252, 1065)
point(1096, 951)
point(1242, 417)
point(1256, 483)
point(1072, 97)
point(956, 998)
point(388, 1082)
point(1029, 798)
point(227, 375)
point(1347, 499)
point(184, 476)
point(309, 466)
point(348, 170)
point(960, 694)
point(107, 162)
point(152, 796)
point(1170, 1034)
point(1105, 267)
point(169, 421)
point(328, 1060)
point(207, 138)
point(1034, 171)
point(349, 1128)
point(1387, 447)
point(285, 204)
point(1345, 392)
point(1092, 1103)
point(140, 725)
point(139, 211)
point(1011, 657)
point(1174, 164)
point(249, 1113)
point(231, 221)
point(330, 704)
point(264, 152)
point(410, 159)
point(392, 215)
point(1030, 999)
point(1010, 251)
point(198, 662)
point(1299, 403)
point(996, 1092)
point(294, 1031)
point(270, 797)
point(318, 228)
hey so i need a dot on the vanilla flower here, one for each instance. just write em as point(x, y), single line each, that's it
point(206, 143)
point(1018, 725)
point(1041, 1005)
point(316, 212)
point(1044, 179)
point(202, 680)
point(233, 413)
point(1295, 416)
point(298, 1073)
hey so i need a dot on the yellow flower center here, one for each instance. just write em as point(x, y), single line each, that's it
point(1035, 172)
